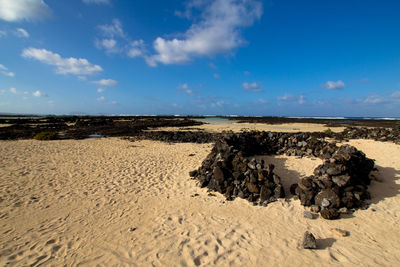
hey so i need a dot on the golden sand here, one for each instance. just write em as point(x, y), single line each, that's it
point(112, 202)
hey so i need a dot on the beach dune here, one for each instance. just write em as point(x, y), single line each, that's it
point(113, 202)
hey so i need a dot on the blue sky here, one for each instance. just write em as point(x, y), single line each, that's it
point(244, 57)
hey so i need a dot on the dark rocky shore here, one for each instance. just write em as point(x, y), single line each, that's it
point(80, 127)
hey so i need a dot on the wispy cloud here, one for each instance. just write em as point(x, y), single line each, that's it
point(216, 75)
point(15, 10)
point(22, 33)
point(136, 49)
point(217, 31)
point(101, 99)
point(299, 99)
point(109, 45)
point(112, 30)
point(4, 71)
point(331, 85)
point(76, 66)
point(100, 90)
point(106, 82)
point(252, 87)
point(185, 88)
point(39, 94)
point(375, 99)
point(261, 101)
point(113, 39)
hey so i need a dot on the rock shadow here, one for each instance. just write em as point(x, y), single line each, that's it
point(386, 186)
point(324, 243)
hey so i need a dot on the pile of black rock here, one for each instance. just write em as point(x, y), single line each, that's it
point(227, 171)
point(377, 134)
point(338, 184)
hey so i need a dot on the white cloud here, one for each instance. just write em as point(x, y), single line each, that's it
point(13, 90)
point(109, 45)
point(101, 99)
point(218, 104)
point(8, 73)
point(292, 98)
point(136, 49)
point(286, 97)
point(114, 102)
point(216, 75)
point(3, 33)
point(76, 66)
point(112, 30)
point(252, 87)
point(14, 10)
point(39, 94)
point(22, 33)
point(4, 71)
point(107, 2)
point(106, 82)
point(218, 31)
point(374, 99)
point(114, 40)
point(100, 90)
point(331, 85)
point(186, 89)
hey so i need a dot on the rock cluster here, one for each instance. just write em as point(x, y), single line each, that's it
point(228, 171)
point(178, 136)
point(340, 182)
point(378, 134)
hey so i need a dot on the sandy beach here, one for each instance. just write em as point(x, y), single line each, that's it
point(240, 127)
point(112, 202)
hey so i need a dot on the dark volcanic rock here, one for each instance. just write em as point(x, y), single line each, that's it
point(193, 173)
point(330, 214)
point(329, 195)
point(265, 193)
point(309, 241)
point(341, 180)
point(218, 174)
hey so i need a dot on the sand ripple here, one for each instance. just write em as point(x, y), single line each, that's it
point(113, 202)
